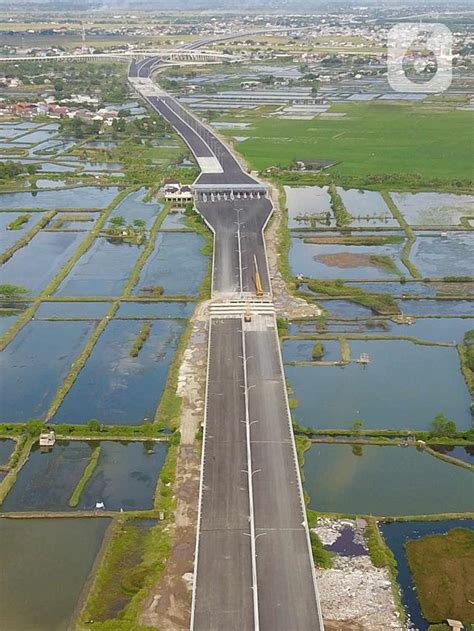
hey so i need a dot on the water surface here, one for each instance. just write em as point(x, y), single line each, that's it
point(34, 365)
point(79, 197)
point(176, 264)
point(373, 480)
point(395, 391)
point(434, 208)
point(48, 549)
point(114, 387)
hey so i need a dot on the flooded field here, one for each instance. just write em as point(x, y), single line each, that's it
point(437, 256)
point(115, 387)
point(301, 350)
point(7, 318)
point(308, 200)
point(396, 535)
point(125, 477)
point(345, 261)
point(34, 365)
point(176, 264)
point(368, 208)
point(7, 447)
point(446, 209)
point(384, 481)
point(48, 549)
point(80, 197)
point(437, 307)
point(10, 237)
point(102, 271)
point(46, 253)
point(397, 373)
point(160, 309)
point(85, 310)
point(133, 207)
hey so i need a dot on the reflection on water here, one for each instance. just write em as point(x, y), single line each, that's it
point(395, 391)
point(117, 388)
point(373, 480)
point(34, 365)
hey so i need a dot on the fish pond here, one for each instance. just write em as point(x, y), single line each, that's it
point(48, 549)
point(79, 197)
point(125, 476)
point(46, 254)
point(34, 365)
point(176, 264)
point(7, 447)
point(425, 209)
point(332, 397)
point(345, 261)
point(384, 481)
point(115, 387)
point(103, 270)
point(437, 256)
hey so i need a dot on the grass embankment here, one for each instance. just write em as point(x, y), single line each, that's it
point(411, 237)
point(135, 556)
point(45, 219)
point(352, 239)
point(466, 355)
point(382, 304)
point(195, 222)
point(141, 339)
point(341, 214)
point(371, 139)
point(86, 476)
point(382, 556)
point(441, 566)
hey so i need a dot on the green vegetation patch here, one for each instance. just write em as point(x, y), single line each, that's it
point(141, 339)
point(133, 557)
point(19, 222)
point(86, 476)
point(383, 304)
point(318, 351)
point(442, 570)
point(370, 139)
point(370, 239)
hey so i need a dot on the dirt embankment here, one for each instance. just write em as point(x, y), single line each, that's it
point(169, 605)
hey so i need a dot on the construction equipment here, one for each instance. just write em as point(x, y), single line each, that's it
point(258, 280)
point(247, 314)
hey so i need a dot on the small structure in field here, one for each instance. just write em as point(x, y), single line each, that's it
point(47, 440)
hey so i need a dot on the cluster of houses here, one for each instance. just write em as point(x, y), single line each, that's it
point(50, 108)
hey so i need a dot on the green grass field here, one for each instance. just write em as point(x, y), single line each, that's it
point(372, 138)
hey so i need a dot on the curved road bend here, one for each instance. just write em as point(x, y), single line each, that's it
point(254, 568)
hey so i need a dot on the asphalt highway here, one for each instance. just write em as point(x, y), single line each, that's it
point(223, 586)
point(253, 567)
point(224, 218)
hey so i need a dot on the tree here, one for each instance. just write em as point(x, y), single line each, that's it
point(442, 426)
point(35, 427)
point(117, 222)
point(93, 425)
point(12, 291)
point(139, 224)
point(357, 426)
